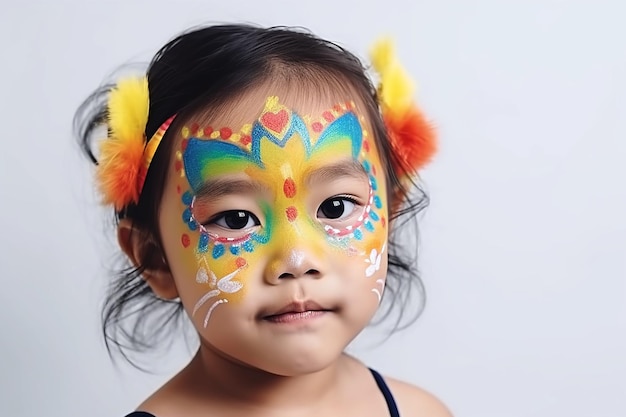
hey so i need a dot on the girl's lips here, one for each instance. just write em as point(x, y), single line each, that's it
point(296, 311)
point(294, 307)
point(295, 316)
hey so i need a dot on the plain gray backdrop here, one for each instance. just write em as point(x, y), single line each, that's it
point(523, 249)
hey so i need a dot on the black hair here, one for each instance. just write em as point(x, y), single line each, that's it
point(203, 68)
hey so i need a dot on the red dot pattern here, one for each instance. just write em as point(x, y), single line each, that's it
point(245, 140)
point(185, 240)
point(292, 213)
point(317, 127)
point(289, 188)
point(240, 262)
point(225, 133)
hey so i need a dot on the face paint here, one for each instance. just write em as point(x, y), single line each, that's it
point(273, 163)
point(374, 261)
point(222, 285)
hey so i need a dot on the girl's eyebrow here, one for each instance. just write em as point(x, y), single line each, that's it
point(347, 168)
point(219, 187)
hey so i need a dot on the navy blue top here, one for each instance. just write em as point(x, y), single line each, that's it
point(382, 386)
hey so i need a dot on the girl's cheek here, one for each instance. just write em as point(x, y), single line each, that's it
point(210, 272)
point(366, 240)
point(375, 228)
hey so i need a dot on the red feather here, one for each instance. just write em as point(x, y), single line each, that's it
point(412, 138)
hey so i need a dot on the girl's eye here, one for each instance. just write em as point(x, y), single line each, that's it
point(236, 220)
point(336, 208)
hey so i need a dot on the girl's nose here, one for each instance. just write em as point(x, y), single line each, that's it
point(292, 263)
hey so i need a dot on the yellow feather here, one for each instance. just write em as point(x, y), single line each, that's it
point(128, 109)
point(122, 151)
point(396, 87)
point(382, 54)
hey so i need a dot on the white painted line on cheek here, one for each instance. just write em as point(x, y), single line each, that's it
point(208, 314)
point(205, 297)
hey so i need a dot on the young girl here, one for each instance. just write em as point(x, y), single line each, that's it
point(257, 177)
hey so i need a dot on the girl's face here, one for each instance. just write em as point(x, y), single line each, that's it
point(274, 224)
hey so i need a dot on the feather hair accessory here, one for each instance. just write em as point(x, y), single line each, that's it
point(125, 154)
point(121, 153)
point(411, 136)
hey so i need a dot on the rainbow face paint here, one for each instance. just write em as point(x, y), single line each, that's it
point(244, 193)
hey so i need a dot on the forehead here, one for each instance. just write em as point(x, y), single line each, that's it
point(310, 100)
point(279, 138)
point(268, 131)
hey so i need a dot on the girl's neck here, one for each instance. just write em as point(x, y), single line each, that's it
point(215, 373)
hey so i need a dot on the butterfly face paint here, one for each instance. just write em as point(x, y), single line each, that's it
point(284, 181)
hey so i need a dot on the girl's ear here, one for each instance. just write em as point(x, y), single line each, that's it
point(144, 252)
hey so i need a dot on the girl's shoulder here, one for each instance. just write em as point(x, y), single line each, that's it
point(413, 401)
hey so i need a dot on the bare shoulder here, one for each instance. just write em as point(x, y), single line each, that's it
point(416, 402)
point(170, 399)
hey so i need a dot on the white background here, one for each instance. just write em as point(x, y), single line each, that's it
point(523, 249)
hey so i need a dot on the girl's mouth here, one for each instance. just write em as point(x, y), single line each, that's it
point(295, 316)
point(296, 312)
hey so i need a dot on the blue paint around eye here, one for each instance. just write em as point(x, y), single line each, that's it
point(203, 243)
point(369, 226)
point(374, 184)
point(260, 238)
point(377, 202)
point(218, 251)
point(235, 250)
point(366, 166)
point(374, 216)
point(248, 246)
point(189, 220)
point(341, 242)
point(187, 198)
point(187, 216)
point(358, 235)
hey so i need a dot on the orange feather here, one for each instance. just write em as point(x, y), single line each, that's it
point(118, 169)
point(412, 138)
